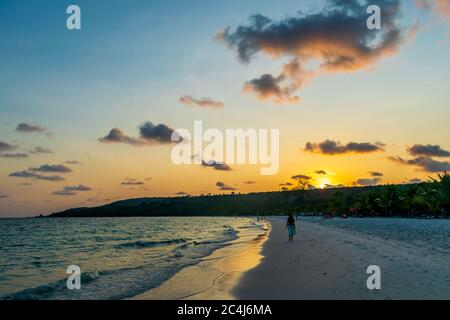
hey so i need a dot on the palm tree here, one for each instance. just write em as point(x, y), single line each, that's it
point(389, 200)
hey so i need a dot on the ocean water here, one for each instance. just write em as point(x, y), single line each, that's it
point(118, 257)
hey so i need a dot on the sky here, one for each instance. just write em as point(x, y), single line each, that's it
point(354, 106)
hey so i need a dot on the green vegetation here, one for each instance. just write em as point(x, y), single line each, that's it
point(430, 198)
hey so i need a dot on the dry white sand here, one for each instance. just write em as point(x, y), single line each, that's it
point(329, 263)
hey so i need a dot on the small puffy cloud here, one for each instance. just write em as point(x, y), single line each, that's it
point(376, 174)
point(79, 187)
point(40, 149)
point(330, 147)
point(26, 127)
point(116, 135)
point(202, 102)
point(181, 194)
point(32, 175)
point(132, 182)
point(150, 134)
point(74, 162)
point(224, 187)
point(428, 151)
point(72, 190)
point(216, 165)
point(320, 172)
point(6, 147)
point(60, 168)
point(425, 164)
point(368, 182)
point(14, 155)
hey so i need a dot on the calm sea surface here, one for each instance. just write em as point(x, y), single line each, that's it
point(119, 257)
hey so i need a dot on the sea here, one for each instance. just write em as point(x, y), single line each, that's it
point(118, 258)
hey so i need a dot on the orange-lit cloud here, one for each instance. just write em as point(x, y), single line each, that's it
point(337, 37)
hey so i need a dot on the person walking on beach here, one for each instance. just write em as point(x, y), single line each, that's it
point(290, 226)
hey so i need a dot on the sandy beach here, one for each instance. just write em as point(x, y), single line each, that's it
point(330, 263)
point(323, 262)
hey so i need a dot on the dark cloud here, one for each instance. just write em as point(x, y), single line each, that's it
point(132, 182)
point(301, 177)
point(320, 172)
point(216, 165)
point(428, 150)
point(336, 36)
point(181, 194)
point(4, 196)
point(330, 147)
point(368, 182)
point(6, 147)
point(26, 127)
point(33, 175)
point(150, 134)
point(116, 135)
point(202, 103)
point(249, 182)
point(14, 155)
point(79, 187)
point(40, 149)
point(75, 162)
point(415, 180)
point(60, 168)
point(72, 190)
point(224, 187)
point(426, 164)
point(376, 174)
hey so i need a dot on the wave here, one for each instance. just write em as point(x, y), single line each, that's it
point(149, 244)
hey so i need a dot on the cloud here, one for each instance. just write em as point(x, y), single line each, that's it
point(415, 181)
point(75, 162)
point(40, 149)
point(72, 190)
point(249, 182)
point(181, 194)
point(132, 182)
point(33, 175)
point(376, 174)
point(428, 150)
point(4, 196)
point(301, 177)
point(156, 133)
point(150, 134)
point(202, 103)
point(52, 168)
point(320, 172)
point(6, 147)
point(25, 127)
point(439, 7)
point(426, 164)
point(336, 37)
point(116, 135)
point(79, 187)
point(224, 187)
point(330, 147)
point(216, 165)
point(14, 155)
point(368, 182)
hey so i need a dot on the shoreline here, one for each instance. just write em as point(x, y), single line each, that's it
point(326, 262)
point(216, 275)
